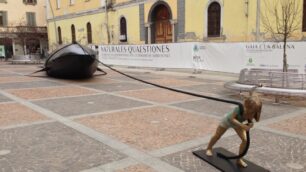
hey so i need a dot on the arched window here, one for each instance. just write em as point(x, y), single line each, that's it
point(89, 33)
point(73, 34)
point(123, 30)
point(214, 20)
point(59, 31)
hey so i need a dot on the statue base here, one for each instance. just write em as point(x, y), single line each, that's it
point(227, 165)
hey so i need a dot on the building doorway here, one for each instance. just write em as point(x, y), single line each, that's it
point(32, 46)
point(7, 43)
point(161, 25)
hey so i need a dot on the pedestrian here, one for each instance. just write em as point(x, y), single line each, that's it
point(252, 109)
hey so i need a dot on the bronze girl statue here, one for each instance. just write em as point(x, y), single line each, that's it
point(252, 109)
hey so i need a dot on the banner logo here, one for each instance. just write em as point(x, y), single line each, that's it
point(250, 62)
point(195, 48)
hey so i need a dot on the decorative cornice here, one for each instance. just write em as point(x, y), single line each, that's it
point(78, 14)
point(100, 10)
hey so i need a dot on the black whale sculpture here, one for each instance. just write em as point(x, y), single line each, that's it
point(72, 61)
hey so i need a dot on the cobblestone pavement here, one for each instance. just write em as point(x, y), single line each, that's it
point(114, 124)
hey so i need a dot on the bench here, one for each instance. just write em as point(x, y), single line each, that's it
point(274, 82)
point(273, 78)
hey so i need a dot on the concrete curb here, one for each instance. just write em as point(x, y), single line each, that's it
point(233, 85)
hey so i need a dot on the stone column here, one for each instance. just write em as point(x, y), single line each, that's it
point(40, 45)
point(14, 46)
point(258, 21)
point(173, 23)
point(148, 25)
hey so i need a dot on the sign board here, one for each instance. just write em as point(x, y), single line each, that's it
point(223, 57)
point(154, 55)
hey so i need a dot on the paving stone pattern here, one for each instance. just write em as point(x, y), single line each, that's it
point(202, 80)
point(51, 92)
point(207, 107)
point(158, 95)
point(52, 147)
point(113, 122)
point(152, 128)
point(121, 86)
point(4, 99)
point(136, 168)
point(293, 125)
point(88, 104)
point(14, 113)
point(208, 88)
point(34, 84)
point(272, 151)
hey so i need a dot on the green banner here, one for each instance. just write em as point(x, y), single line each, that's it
point(2, 51)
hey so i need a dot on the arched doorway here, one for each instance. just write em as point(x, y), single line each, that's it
point(161, 25)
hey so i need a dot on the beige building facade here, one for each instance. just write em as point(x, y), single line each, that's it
point(163, 21)
point(23, 27)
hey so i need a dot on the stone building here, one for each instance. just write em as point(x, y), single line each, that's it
point(160, 21)
point(23, 26)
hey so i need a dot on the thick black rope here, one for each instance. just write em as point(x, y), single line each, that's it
point(176, 90)
point(102, 71)
point(195, 95)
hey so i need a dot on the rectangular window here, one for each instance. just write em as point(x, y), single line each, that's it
point(31, 2)
point(71, 2)
point(3, 18)
point(304, 17)
point(31, 19)
point(58, 4)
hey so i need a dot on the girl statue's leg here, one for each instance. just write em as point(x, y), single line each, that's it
point(242, 134)
point(219, 132)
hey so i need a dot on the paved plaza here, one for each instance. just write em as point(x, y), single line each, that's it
point(114, 124)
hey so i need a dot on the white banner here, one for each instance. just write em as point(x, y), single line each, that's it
point(269, 55)
point(154, 55)
point(224, 57)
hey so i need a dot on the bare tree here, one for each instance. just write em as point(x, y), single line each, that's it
point(281, 19)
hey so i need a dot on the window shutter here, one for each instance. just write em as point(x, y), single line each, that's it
point(58, 3)
point(28, 18)
point(4, 14)
point(33, 19)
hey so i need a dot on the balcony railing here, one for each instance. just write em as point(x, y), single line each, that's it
point(23, 29)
